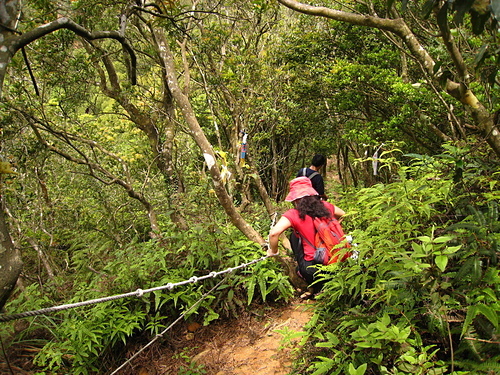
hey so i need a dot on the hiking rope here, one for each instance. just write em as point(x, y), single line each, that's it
point(160, 335)
point(138, 293)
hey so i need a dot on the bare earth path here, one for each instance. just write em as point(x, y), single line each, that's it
point(263, 351)
point(249, 346)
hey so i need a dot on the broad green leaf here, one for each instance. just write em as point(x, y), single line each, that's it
point(442, 239)
point(441, 262)
point(357, 371)
point(489, 313)
point(251, 290)
point(452, 249)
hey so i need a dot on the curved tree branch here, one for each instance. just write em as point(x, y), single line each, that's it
point(13, 43)
point(199, 137)
point(94, 168)
point(482, 117)
point(450, 45)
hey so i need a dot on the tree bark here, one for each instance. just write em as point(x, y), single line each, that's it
point(10, 259)
point(263, 192)
point(203, 143)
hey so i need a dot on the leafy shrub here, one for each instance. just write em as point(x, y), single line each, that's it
point(423, 295)
point(83, 339)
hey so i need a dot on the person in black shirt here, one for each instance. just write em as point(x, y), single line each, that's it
point(313, 173)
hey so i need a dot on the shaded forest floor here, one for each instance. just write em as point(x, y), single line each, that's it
point(263, 342)
point(254, 344)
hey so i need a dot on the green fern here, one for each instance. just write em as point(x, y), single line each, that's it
point(490, 366)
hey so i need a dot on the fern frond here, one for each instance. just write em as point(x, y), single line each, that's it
point(489, 366)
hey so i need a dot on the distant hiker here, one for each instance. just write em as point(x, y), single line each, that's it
point(312, 172)
point(307, 206)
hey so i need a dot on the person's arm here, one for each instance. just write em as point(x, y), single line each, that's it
point(274, 234)
point(338, 212)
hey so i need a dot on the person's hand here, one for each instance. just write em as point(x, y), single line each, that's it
point(270, 253)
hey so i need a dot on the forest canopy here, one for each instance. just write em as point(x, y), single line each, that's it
point(122, 130)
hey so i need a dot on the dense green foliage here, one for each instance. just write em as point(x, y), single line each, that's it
point(86, 340)
point(112, 194)
point(422, 297)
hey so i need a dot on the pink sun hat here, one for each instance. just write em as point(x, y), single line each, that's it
point(300, 187)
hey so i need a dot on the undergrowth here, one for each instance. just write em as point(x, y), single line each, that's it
point(423, 295)
point(92, 339)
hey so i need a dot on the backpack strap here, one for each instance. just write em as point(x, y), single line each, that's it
point(313, 175)
point(309, 242)
point(302, 238)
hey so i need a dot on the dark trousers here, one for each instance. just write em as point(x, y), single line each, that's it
point(305, 268)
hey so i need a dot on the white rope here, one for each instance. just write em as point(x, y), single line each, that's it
point(159, 335)
point(137, 293)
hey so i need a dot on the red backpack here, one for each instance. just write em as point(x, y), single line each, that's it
point(328, 241)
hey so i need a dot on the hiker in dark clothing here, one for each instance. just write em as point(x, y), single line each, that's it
point(307, 206)
point(313, 173)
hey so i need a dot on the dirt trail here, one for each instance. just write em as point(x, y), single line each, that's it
point(262, 349)
point(249, 346)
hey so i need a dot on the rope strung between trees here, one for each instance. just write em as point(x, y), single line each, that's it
point(137, 293)
point(140, 293)
point(160, 335)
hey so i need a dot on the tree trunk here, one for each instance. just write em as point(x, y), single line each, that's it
point(263, 191)
point(203, 143)
point(10, 259)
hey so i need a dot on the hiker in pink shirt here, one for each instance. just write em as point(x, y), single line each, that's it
point(307, 206)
